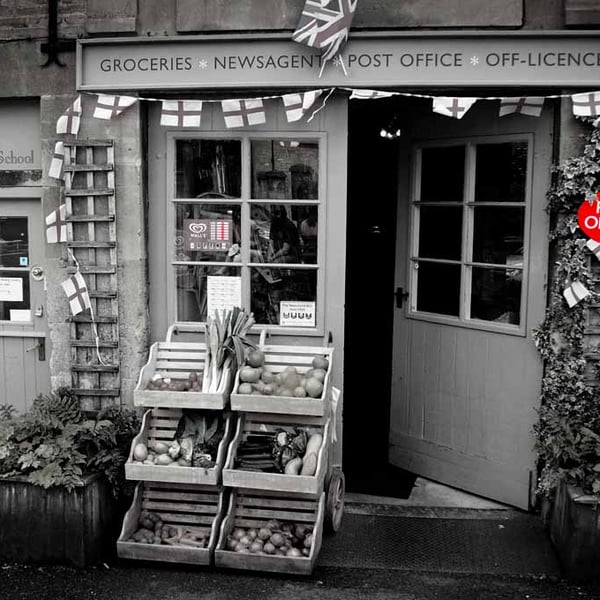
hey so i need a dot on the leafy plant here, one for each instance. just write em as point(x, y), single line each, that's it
point(54, 445)
point(568, 430)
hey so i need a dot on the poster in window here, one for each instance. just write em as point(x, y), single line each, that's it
point(296, 314)
point(207, 234)
point(11, 289)
point(223, 293)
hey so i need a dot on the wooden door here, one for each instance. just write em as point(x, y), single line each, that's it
point(24, 371)
point(472, 253)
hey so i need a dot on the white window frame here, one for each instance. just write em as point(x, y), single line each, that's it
point(468, 203)
point(245, 201)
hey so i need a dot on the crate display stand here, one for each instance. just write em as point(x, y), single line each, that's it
point(182, 496)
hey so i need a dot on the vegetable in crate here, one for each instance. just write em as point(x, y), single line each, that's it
point(152, 530)
point(192, 383)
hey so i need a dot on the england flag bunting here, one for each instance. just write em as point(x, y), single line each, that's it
point(181, 113)
point(56, 170)
point(594, 247)
point(575, 293)
point(531, 106)
point(77, 293)
point(586, 105)
point(108, 106)
point(452, 107)
point(297, 105)
point(70, 119)
point(325, 24)
point(56, 225)
point(239, 113)
point(369, 95)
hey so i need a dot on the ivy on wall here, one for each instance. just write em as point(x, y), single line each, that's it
point(568, 429)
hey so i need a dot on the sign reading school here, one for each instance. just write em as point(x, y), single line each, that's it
point(399, 58)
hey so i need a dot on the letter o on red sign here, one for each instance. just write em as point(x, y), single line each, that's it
point(588, 218)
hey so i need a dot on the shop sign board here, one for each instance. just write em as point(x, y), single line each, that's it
point(296, 314)
point(523, 59)
point(20, 147)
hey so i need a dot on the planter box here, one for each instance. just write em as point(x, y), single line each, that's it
point(575, 532)
point(56, 526)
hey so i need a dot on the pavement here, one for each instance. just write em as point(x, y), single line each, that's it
point(435, 545)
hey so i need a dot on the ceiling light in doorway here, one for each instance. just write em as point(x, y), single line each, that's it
point(392, 130)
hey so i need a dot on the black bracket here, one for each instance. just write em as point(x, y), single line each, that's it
point(53, 46)
point(401, 296)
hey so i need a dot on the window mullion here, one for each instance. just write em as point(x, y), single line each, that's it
point(467, 248)
point(246, 227)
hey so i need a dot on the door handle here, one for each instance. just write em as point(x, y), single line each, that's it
point(401, 296)
point(41, 346)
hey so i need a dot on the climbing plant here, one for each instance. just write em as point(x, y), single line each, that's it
point(568, 430)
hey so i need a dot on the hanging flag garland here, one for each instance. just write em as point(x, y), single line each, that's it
point(181, 113)
point(370, 95)
point(531, 106)
point(586, 105)
point(56, 225)
point(68, 123)
point(453, 107)
point(575, 293)
point(240, 113)
point(297, 105)
point(108, 106)
point(56, 170)
point(77, 293)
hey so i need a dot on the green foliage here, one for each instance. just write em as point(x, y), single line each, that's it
point(54, 445)
point(568, 430)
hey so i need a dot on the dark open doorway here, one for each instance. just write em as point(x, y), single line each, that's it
point(370, 301)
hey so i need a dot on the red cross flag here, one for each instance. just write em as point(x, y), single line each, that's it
point(56, 225)
point(69, 121)
point(594, 247)
point(325, 24)
point(108, 106)
point(297, 105)
point(531, 106)
point(369, 94)
point(239, 113)
point(77, 293)
point(58, 161)
point(575, 293)
point(181, 113)
point(586, 105)
point(452, 107)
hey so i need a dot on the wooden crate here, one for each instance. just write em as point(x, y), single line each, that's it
point(199, 507)
point(255, 509)
point(265, 423)
point(176, 360)
point(277, 358)
point(159, 425)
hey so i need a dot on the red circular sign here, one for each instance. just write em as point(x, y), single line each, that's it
point(588, 218)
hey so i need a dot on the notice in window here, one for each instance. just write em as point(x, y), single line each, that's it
point(296, 314)
point(223, 293)
point(207, 234)
point(11, 289)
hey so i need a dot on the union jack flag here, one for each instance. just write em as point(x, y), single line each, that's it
point(325, 28)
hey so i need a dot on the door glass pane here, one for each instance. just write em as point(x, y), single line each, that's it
point(498, 235)
point(207, 232)
point(496, 295)
point(442, 174)
point(14, 242)
point(208, 168)
point(283, 233)
point(270, 286)
point(438, 288)
point(192, 291)
point(501, 172)
point(440, 232)
point(285, 169)
point(14, 293)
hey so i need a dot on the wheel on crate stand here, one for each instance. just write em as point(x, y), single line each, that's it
point(334, 501)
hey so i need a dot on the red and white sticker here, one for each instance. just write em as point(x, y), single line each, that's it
point(588, 217)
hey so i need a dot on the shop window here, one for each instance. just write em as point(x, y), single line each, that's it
point(469, 233)
point(249, 209)
point(14, 267)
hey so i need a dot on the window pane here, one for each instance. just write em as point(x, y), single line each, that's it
point(207, 232)
point(501, 172)
point(284, 233)
point(496, 295)
point(438, 289)
point(191, 289)
point(208, 168)
point(14, 242)
point(270, 286)
point(440, 232)
point(14, 292)
point(442, 174)
point(285, 170)
point(498, 235)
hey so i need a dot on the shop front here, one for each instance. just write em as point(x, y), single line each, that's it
point(421, 256)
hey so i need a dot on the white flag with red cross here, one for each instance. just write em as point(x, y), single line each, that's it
point(575, 293)
point(531, 106)
point(56, 225)
point(586, 105)
point(77, 293)
point(181, 113)
point(297, 105)
point(452, 107)
point(69, 121)
point(56, 170)
point(369, 94)
point(594, 247)
point(108, 106)
point(239, 113)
